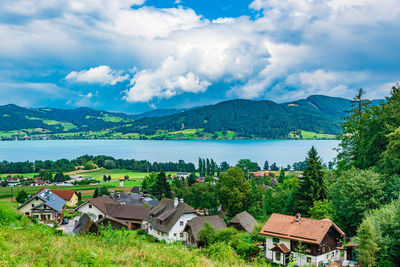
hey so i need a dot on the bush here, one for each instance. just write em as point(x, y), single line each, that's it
point(221, 252)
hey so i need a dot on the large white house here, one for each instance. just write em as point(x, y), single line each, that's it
point(167, 220)
point(96, 207)
point(303, 241)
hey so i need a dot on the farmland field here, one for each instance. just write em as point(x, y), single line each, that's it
point(115, 174)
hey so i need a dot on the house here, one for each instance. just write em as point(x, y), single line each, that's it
point(46, 206)
point(70, 196)
point(200, 180)
point(85, 225)
point(182, 175)
point(260, 173)
point(306, 241)
point(12, 182)
point(167, 220)
point(243, 222)
point(194, 226)
point(114, 223)
point(95, 207)
point(134, 216)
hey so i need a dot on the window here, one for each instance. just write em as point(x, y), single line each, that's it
point(27, 213)
point(100, 216)
point(174, 234)
point(275, 240)
point(90, 206)
point(277, 256)
point(181, 223)
point(33, 205)
point(181, 234)
point(309, 259)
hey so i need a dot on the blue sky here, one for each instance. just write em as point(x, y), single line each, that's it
point(137, 55)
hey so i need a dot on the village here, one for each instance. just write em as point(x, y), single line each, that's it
point(283, 239)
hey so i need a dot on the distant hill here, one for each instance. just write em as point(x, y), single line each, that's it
point(317, 116)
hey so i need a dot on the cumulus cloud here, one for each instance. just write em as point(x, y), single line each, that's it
point(289, 49)
point(100, 74)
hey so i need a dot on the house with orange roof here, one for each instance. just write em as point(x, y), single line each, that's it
point(303, 241)
point(70, 196)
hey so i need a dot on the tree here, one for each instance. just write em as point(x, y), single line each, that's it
point(109, 178)
point(282, 176)
point(110, 164)
point(46, 175)
point(312, 185)
point(355, 193)
point(266, 165)
point(103, 191)
point(105, 178)
point(161, 186)
point(233, 191)
point(202, 196)
point(206, 235)
point(59, 177)
point(4, 183)
point(247, 166)
point(274, 167)
point(96, 193)
point(323, 209)
point(390, 160)
point(224, 166)
point(90, 165)
point(191, 179)
point(367, 247)
point(21, 196)
point(126, 177)
point(79, 196)
point(148, 181)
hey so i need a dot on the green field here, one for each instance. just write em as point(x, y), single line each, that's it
point(116, 174)
point(313, 135)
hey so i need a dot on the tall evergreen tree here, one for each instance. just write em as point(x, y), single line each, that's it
point(208, 167)
point(266, 165)
point(200, 169)
point(191, 179)
point(368, 247)
point(312, 185)
point(161, 187)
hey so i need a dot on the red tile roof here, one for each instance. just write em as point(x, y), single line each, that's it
point(306, 230)
point(281, 248)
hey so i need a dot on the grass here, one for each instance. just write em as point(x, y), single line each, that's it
point(313, 135)
point(23, 243)
point(117, 174)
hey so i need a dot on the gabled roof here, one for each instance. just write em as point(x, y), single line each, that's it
point(136, 189)
point(63, 193)
point(281, 248)
point(84, 225)
point(169, 214)
point(127, 211)
point(49, 198)
point(306, 230)
point(99, 202)
point(245, 220)
point(197, 223)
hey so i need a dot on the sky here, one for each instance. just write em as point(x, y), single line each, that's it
point(137, 55)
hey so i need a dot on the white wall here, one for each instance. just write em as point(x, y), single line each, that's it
point(271, 255)
point(301, 260)
point(85, 208)
point(176, 229)
point(28, 206)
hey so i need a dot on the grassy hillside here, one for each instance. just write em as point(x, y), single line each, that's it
point(23, 243)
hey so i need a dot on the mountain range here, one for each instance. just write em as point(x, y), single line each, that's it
point(318, 114)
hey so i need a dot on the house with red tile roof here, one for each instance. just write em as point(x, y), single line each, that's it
point(303, 240)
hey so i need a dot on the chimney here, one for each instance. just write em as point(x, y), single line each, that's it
point(129, 225)
point(121, 183)
point(181, 200)
point(176, 201)
point(298, 217)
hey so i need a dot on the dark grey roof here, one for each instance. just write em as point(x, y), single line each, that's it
point(52, 200)
point(165, 210)
point(109, 218)
point(85, 225)
point(136, 189)
point(245, 220)
point(137, 199)
point(197, 223)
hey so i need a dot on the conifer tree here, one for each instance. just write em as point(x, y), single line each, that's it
point(161, 187)
point(312, 185)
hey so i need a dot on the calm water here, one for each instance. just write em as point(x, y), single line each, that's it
point(282, 152)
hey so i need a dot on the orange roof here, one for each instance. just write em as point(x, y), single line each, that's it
point(260, 173)
point(63, 193)
point(306, 230)
point(282, 248)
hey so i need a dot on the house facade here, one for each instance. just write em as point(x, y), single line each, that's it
point(167, 220)
point(95, 207)
point(45, 206)
point(303, 241)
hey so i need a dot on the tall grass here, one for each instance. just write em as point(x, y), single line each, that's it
point(23, 243)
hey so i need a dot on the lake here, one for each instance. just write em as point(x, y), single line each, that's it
point(282, 152)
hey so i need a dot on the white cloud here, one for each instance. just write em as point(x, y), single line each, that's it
point(100, 74)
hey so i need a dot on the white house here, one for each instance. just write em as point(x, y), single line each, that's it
point(95, 207)
point(302, 240)
point(167, 220)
